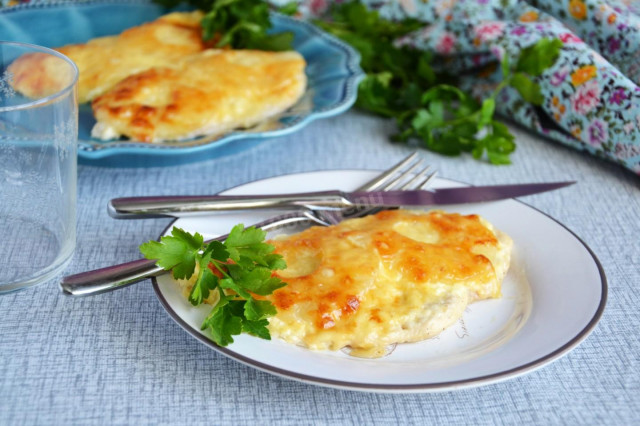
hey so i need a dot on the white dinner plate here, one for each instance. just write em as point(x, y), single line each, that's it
point(553, 296)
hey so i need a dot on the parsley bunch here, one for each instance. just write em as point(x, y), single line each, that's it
point(428, 107)
point(238, 268)
point(241, 24)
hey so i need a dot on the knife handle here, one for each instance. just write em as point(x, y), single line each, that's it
point(177, 206)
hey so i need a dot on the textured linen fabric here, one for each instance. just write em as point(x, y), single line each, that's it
point(118, 358)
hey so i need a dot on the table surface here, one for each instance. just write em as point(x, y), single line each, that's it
point(119, 358)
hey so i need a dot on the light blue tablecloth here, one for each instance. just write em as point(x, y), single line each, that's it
point(119, 359)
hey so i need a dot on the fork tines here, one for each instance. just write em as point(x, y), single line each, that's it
point(410, 173)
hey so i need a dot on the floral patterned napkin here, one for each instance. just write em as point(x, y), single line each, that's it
point(592, 98)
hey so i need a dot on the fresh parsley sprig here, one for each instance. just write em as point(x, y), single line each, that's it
point(450, 121)
point(241, 24)
point(237, 269)
point(427, 106)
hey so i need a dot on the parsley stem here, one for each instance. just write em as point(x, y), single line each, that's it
point(220, 269)
point(504, 83)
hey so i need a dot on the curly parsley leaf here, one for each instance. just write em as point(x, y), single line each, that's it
point(231, 284)
point(237, 269)
point(240, 237)
point(223, 325)
point(177, 252)
point(528, 89)
point(246, 246)
point(257, 328)
point(375, 94)
point(255, 310)
point(258, 280)
point(536, 58)
point(217, 251)
point(290, 8)
point(274, 261)
point(205, 283)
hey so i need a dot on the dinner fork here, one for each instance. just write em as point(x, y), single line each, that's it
point(118, 276)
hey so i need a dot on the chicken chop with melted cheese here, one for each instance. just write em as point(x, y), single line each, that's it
point(209, 93)
point(159, 81)
point(394, 277)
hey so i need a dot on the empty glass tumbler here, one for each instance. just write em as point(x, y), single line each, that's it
point(38, 162)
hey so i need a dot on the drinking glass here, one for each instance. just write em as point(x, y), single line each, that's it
point(38, 139)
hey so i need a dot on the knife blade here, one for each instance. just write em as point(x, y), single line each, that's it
point(461, 195)
point(175, 206)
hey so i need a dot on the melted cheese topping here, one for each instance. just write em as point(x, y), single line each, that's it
point(398, 276)
point(208, 93)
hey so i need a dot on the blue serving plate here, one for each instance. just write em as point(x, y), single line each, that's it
point(333, 74)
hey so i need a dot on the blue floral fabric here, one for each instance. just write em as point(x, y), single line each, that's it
point(592, 98)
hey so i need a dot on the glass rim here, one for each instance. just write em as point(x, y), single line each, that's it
point(53, 96)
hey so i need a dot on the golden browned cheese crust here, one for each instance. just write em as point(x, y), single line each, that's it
point(209, 93)
point(105, 61)
point(398, 276)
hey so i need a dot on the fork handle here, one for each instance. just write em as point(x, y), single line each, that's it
point(109, 278)
point(118, 276)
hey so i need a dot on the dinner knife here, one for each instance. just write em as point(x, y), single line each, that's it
point(176, 206)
